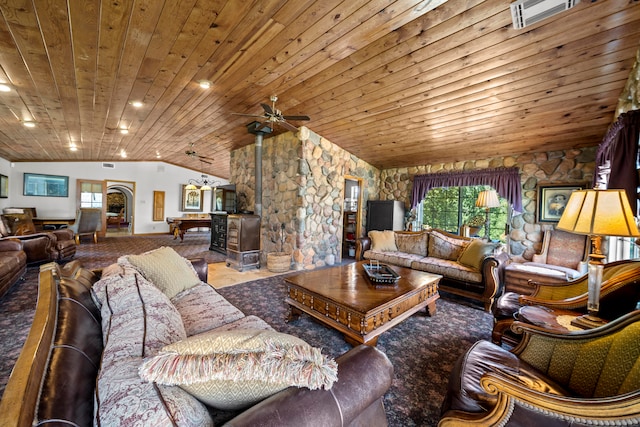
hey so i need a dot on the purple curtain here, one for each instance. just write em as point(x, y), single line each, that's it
point(506, 181)
point(617, 156)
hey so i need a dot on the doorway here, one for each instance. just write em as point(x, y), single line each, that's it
point(351, 216)
point(120, 208)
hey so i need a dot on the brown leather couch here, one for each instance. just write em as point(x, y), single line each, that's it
point(40, 247)
point(13, 263)
point(55, 376)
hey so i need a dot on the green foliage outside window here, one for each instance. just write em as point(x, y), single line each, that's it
point(451, 208)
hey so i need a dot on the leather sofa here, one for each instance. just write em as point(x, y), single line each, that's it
point(13, 263)
point(469, 267)
point(40, 247)
point(56, 375)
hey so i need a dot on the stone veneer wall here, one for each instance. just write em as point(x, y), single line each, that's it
point(302, 188)
point(525, 239)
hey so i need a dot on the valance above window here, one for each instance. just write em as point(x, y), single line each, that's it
point(506, 181)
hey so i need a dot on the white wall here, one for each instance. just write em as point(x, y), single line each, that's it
point(148, 176)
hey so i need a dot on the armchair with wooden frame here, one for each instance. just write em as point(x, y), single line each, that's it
point(562, 257)
point(620, 294)
point(584, 378)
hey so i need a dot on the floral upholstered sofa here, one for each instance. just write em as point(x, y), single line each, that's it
point(151, 343)
point(469, 267)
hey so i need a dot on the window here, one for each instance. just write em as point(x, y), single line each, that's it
point(449, 208)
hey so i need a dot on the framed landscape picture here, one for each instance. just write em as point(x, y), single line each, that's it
point(36, 184)
point(191, 200)
point(552, 199)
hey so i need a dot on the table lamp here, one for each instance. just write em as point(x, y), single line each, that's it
point(487, 199)
point(598, 213)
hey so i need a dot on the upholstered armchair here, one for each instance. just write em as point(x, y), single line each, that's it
point(620, 292)
point(586, 378)
point(88, 222)
point(563, 257)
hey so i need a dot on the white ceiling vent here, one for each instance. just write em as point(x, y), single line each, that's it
point(108, 165)
point(527, 12)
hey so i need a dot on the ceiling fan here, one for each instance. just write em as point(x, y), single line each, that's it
point(193, 153)
point(273, 116)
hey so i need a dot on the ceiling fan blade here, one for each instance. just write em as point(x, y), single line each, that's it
point(248, 115)
point(267, 109)
point(296, 117)
point(289, 126)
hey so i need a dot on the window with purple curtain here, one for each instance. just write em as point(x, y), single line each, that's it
point(506, 181)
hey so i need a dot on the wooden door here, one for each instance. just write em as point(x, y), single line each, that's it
point(93, 194)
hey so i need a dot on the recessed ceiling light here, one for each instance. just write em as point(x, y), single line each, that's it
point(136, 104)
point(4, 88)
point(29, 124)
point(204, 84)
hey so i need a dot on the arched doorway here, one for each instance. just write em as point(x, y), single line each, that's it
point(120, 204)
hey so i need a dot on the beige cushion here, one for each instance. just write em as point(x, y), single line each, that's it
point(445, 247)
point(384, 241)
point(166, 269)
point(235, 369)
point(412, 243)
point(473, 255)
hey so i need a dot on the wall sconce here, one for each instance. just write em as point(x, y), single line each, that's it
point(487, 199)
point(598, 213)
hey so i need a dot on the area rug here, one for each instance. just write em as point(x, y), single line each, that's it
point(221, 276)
point(422, 349)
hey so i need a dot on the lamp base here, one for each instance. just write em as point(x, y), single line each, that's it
point(588, 321)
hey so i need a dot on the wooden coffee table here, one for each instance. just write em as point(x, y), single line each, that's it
point(343, 298)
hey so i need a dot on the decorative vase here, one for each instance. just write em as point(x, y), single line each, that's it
point(278, 262)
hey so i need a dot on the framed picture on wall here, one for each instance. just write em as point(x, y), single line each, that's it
point(4, 187)
point(552, 199)
point(36, 184)
point(191, 200)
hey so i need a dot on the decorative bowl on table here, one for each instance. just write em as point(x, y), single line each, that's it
point(380, 274)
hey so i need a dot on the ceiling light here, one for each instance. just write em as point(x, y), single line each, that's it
point(136, 104)
point(158, 156)
point(124, 131)
point(29, 124)
point(4, 88)
point(204, 182)
point(73, 147)
point(123, 154)
point(204, 84)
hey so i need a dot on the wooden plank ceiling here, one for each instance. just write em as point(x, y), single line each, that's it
point(396, 83)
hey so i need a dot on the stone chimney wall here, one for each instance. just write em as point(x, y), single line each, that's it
point(303, 188)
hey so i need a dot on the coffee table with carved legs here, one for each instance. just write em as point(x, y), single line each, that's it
point(344, 299)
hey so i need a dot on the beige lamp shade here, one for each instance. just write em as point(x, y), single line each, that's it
point(599, 213)
point(488, 199)
point(190, 187)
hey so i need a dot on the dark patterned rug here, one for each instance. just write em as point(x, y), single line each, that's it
point(422, 349)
